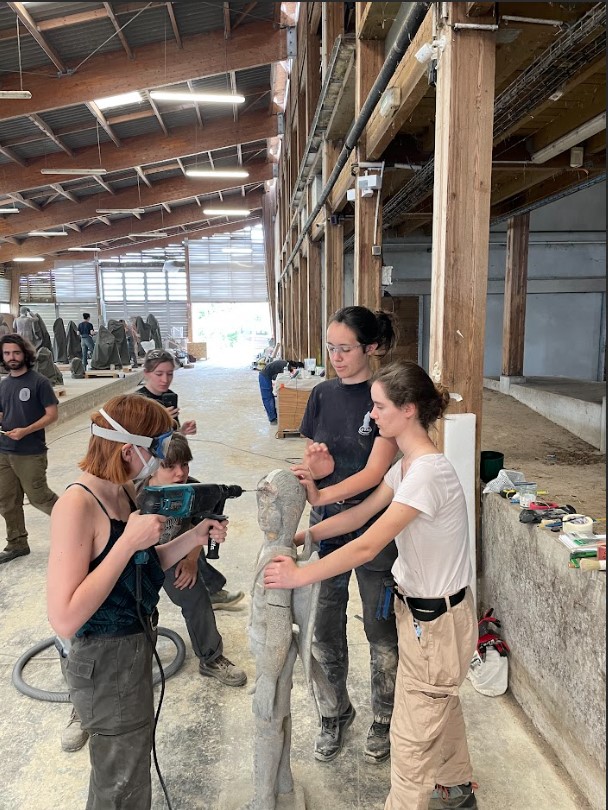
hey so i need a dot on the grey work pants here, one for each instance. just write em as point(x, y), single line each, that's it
point(213, 579)
point(19, 475)
point(110, 685)
point(195, 604)
point(330, 647)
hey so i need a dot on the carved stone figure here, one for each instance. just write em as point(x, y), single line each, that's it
point(281, 627)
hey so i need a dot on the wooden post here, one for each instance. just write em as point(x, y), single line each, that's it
point(461, 218)
point(332, 25)
point(368, 211)
point(188, 295)
point(315, 326)
point(516, 282)
point(14, 303)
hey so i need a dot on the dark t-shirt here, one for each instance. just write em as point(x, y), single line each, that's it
point(156, 397)
point(338, 415)
point(272, 370)
point(23, 400)
point(85, 328)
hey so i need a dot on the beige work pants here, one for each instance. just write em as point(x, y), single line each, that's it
point(428, 735)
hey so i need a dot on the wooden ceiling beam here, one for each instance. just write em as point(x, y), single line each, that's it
point(12, 155)
point(44, 127)
point(108, 74)
point(68, 20)
point(117, 28)
point(187, 214)
point(156, 112)
point(62, 192)
point(142, 175)
point(24, 16)
point(102, 121)
point(376, 19)
point(410, 78)
point(144, 149)
point(174, 25)
point(227, 26)
point(566, 182)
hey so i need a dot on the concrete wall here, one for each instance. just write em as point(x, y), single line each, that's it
point(554, 620)
point(565, 317)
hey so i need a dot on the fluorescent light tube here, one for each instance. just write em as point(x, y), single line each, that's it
point(16, 94)
point(572, 138)
point(226, 212)
point(121, 100)
point(84, 249)
point(9, 211)
point(196, 97)
point(77, 172)
point(211, 173)
point(29, 259)
point(155, 234)
point(237, 251)
point(120, 211)
point(47, 233)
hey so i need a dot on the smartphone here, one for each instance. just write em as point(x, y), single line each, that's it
point(169, 399)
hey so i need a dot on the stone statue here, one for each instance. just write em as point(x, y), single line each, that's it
point(25, 325)
point(281, 627)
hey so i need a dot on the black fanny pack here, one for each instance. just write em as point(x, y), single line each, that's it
point(427, 610)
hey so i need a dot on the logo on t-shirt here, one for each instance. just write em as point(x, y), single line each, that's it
point(25, 394)
point(366, 428)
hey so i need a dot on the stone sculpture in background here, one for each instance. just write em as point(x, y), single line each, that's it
point(74, 345)
point(155, 334)
point(60, 345)
point(25, 325)
point(44, 365)
point(42, 333)
point(105, 354)
point(117, 328)
point(281, 628)
point(5, 329)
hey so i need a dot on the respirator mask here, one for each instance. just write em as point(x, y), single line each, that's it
point(156, 445)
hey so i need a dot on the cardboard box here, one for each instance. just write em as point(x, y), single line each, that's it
point(199, 350)
point(291, 404)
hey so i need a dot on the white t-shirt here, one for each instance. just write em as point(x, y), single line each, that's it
point(433, 549)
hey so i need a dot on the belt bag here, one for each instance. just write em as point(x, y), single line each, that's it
point(427, 610)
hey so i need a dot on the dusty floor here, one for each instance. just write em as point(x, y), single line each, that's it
point(204, 737)
point(568, 468)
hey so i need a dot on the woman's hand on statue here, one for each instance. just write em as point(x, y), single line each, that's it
point(282, 572)
point(143, 531)
point(304, 475)
point(186, 573)
point(215, 530)
point(188, 428)
point(319, 460)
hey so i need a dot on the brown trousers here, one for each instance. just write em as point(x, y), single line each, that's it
point(428, 735)
point(19, 475)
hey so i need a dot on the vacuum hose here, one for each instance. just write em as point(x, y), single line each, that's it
point(63, 697)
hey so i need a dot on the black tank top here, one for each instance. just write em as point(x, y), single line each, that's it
point(118, 611)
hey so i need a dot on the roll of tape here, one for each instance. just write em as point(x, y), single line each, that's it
point(577, 524)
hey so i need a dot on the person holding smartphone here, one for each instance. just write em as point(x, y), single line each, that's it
point(159, 367)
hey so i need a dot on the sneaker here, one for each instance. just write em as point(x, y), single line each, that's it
point(12, 553)
point(224, 600)
point(378, 744)
point(331, 739)
point(444, 798)
point(272, 421)
point(73, 736)
point(224, 670)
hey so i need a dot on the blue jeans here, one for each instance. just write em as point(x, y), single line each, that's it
point(268, 398)
point(88, 344)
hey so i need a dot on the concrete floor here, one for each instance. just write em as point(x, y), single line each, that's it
point(204, 735)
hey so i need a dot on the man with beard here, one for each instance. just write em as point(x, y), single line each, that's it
point(27, 405)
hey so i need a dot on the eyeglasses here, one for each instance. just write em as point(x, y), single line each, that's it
point(341, 349)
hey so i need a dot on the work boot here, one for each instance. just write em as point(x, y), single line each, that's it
point(331, 739)
point(224, 600)
point(224, 670)
point(445, 798)
point(378, 744)
point(12, 552)
point(73, 736)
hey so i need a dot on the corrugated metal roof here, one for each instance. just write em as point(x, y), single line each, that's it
point(75, 42)
point(32, 56)
point(89, 137)
point(141, 126)
point(67, 116)
point(17, 128)
point(36, 149)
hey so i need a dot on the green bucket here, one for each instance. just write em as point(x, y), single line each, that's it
point(491, 463)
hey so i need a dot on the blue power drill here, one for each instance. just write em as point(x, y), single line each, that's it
point(194, 501)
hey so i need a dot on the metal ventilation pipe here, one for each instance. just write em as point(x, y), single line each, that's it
point(408, 30)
